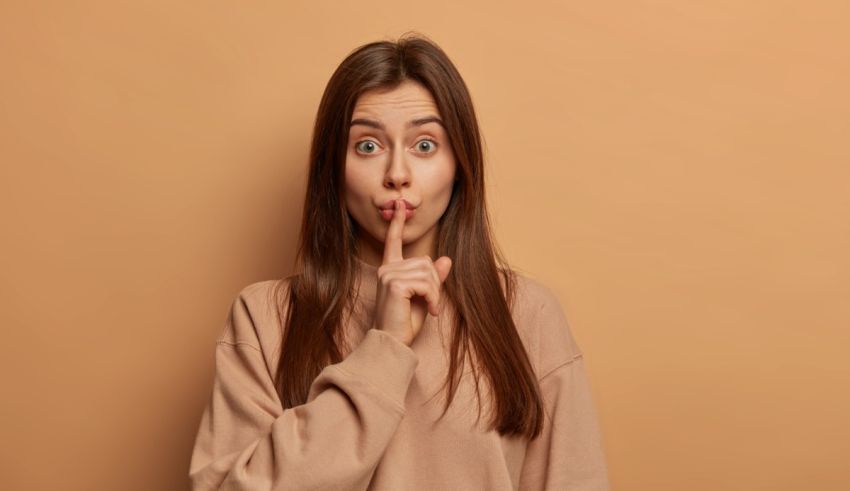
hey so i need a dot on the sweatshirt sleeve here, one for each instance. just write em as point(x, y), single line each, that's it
point(247, 441)
point(568, 455)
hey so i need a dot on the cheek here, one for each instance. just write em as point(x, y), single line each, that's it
point(443, 178)
point(358, 195)
point(355, 183)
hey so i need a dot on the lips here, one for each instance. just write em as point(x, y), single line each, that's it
point(390, 204)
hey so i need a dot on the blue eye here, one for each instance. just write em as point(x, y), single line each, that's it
point(431, 143)
point(371, 146)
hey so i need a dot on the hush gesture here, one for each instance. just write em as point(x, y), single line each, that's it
point(408, 289)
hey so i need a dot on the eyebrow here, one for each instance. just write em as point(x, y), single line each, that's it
point(416, 122)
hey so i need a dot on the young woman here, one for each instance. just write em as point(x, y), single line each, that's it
point(328, 378)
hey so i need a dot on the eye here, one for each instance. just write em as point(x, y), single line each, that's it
point(429, 144)
point(366, 146)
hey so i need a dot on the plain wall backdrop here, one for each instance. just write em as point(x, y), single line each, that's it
point(678, 172)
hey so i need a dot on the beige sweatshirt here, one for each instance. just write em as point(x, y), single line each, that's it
point(368, 422)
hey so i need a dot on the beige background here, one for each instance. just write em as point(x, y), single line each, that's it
point(679, 174)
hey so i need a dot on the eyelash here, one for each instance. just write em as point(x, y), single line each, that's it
point(434, 143)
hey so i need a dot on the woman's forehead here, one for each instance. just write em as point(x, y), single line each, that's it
point(407, 97)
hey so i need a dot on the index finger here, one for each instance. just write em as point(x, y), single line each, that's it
point(392, 242)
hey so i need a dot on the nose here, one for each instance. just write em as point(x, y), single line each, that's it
point(398, 173)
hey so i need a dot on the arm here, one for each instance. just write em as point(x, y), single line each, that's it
point(246, 440)
point(568, 454)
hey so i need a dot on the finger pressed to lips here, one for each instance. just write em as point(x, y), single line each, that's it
point(393, 241)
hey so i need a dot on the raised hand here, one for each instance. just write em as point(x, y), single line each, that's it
point(408, 289)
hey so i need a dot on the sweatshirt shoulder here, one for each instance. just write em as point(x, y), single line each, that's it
point(531, 294)
point(253, 316)
point(546, 318)
point(530, 290)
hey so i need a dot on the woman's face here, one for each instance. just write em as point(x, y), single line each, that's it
point(398, 148)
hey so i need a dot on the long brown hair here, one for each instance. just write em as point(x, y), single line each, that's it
point(323, 290)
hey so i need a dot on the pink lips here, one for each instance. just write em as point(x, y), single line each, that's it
point(387, 210)
point(390, 204)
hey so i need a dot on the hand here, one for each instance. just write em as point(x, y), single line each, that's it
point(408, 289)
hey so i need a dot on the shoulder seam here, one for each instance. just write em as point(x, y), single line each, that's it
point(239, 343)
point(561, 365)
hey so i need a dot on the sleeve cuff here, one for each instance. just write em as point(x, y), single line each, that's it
point(384, 362)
